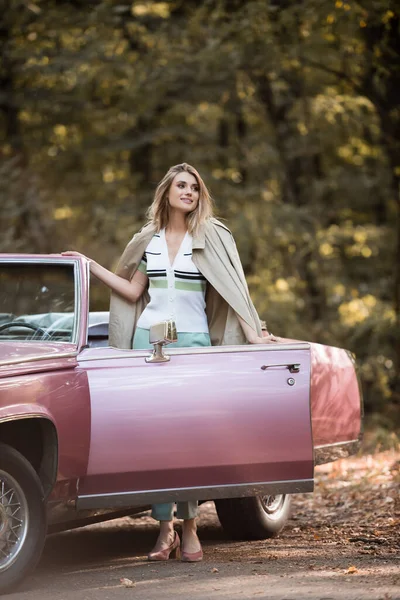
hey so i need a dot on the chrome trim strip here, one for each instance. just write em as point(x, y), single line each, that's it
point(330, 452)
point(56, 261)
point(87, 267)
point(24, 416)
point(126, 499)
point(127, 353)
point(77, 304)
point(18, 361)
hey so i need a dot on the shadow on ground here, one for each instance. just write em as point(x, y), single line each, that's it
point(122, 538)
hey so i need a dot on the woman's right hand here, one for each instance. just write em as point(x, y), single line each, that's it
point(74, 253)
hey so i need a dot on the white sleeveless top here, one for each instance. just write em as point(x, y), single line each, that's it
point(176, 291)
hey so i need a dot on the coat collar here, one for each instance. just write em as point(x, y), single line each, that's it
point(199, 238)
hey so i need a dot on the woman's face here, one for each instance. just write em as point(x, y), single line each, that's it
point(184, 192)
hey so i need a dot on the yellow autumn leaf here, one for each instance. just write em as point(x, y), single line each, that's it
point(352, 569)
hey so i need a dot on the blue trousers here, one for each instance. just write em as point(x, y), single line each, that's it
point(165, 512)
point(185, 510)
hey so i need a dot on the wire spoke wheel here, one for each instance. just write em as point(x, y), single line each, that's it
point(22, 517)
point(273, 505)
point(14, 519)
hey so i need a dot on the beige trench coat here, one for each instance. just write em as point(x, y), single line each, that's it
point(216, 257)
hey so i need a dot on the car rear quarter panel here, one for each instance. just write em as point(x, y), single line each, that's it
point(336, 406)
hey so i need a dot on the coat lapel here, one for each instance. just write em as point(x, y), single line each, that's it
point(133, 253)
point(199, 239)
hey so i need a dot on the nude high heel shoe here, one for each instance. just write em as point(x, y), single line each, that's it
point(174, 548)
point(192, 556)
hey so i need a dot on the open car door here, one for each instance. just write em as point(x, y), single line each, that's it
point(213, 422)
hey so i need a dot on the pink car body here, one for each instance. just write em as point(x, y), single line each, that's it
point(107, 432)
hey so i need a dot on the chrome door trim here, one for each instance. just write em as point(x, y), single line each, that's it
point(127, 499)
point(128, 353)
point(29, 359)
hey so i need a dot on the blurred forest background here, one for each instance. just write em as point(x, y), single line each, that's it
point(290, 109)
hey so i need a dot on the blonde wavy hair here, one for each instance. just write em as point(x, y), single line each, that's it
point(158, 212)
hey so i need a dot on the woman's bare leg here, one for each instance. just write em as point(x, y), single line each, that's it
point(190, 540)
point(165, 537)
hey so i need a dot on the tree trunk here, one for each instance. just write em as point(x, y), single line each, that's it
point(296, 171)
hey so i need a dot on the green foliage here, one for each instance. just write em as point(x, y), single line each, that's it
point(288, 109)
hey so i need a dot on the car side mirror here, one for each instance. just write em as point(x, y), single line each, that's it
point(161, 334)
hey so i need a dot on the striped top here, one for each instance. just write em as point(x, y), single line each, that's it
point(176, 291)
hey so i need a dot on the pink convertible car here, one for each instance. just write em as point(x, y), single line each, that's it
point(89, 432)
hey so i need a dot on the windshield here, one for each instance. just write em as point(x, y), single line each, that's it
point(37, 302)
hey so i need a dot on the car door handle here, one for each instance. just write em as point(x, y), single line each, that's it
point(293, 367)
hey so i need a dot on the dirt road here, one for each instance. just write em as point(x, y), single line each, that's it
point(341, 543)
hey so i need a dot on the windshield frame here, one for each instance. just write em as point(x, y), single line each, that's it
point(80, 269)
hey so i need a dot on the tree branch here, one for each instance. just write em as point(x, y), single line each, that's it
point(339, 74)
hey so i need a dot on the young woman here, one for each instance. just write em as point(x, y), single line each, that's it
point(182, 265)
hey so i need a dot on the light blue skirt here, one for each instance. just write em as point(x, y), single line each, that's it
point(185, 340)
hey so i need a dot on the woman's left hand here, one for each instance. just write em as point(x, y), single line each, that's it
point(252, 336)
point(267, 339)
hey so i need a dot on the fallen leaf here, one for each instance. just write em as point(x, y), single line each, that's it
point(214, 570)
point(127, 582)
point(352, 569)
